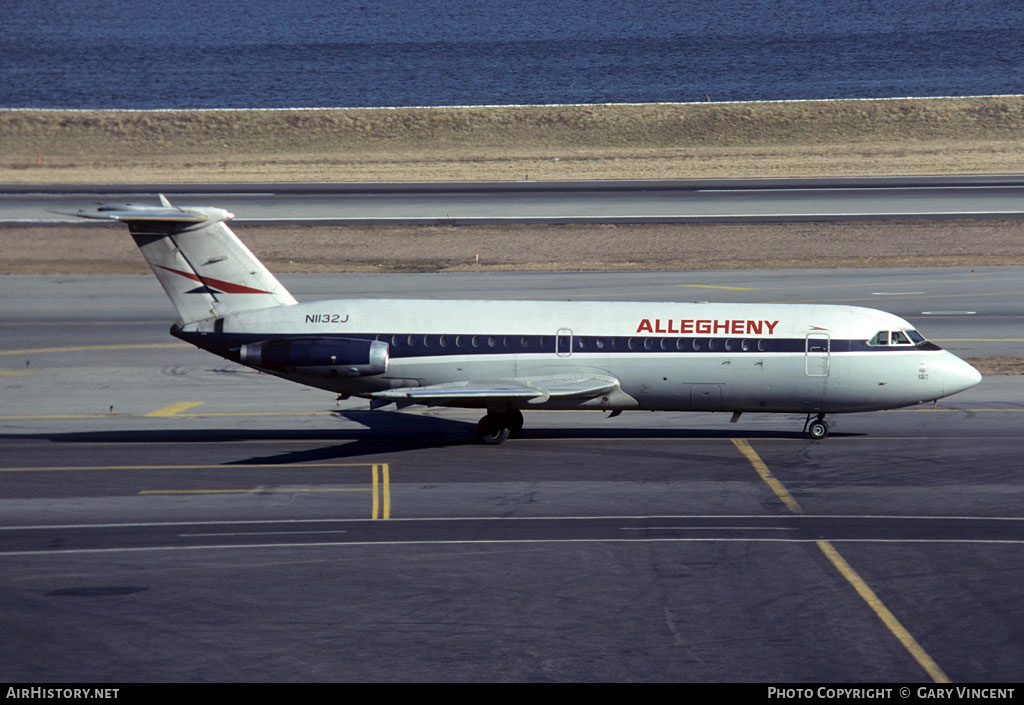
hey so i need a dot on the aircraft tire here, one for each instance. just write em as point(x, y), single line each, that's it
point(514, 420)
point(817, 429)
point(493, 429)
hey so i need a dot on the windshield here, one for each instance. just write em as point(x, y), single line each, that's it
point(915, 336)
point(907, 337)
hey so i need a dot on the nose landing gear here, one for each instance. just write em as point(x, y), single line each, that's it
point(817, 429)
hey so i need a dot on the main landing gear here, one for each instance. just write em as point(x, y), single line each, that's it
point(496, 427)
point(817, 429)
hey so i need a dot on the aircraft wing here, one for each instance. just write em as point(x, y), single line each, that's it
point(535, 390)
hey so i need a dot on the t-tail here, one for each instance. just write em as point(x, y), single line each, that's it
point(203, 266)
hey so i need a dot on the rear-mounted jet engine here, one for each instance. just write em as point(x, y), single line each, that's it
point(318, 357)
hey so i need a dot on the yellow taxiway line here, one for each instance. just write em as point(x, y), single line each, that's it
point(380, 479)
point(203, 466)
point(713, 286)
point(173, 409)
point(381, 491)
point(83, 348)
point(898, 295)
point(846, 570)
point(260, 490)
point(759, 465)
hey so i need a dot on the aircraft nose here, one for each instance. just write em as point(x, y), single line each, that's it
point(958, 375)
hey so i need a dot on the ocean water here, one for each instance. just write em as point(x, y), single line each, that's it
point(147, 54)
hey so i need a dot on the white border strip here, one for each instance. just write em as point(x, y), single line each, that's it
point(508, 105)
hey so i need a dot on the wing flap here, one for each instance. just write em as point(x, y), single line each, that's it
point(535, 390)
point(437, 393)
point(577, 386)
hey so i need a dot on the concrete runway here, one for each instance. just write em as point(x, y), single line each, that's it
point(168, 516)
point(723, 200)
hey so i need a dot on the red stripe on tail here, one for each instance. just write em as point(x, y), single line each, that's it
point(226, 287)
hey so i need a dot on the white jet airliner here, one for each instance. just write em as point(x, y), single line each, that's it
point(506, 356)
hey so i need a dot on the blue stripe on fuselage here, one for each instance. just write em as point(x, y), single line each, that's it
point(405, 345)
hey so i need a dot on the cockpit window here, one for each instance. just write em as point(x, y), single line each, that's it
point(902, 337)
point(915, 336)
point(920, 341)
point(897, 337)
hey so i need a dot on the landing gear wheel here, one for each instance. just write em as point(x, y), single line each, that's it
point(817, 429)
point(493, 429)
point(514, 419)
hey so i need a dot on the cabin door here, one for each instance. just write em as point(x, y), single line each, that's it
point(817, 353)
point(563, 342)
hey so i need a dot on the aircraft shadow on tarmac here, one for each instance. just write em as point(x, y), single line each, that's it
point(391, 432)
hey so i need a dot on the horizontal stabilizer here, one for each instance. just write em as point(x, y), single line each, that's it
point(154, 215)
point(124, 214)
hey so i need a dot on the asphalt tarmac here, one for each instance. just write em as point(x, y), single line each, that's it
point(168, 516)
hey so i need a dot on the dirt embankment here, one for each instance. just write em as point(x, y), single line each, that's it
point(813, 138)
point(99, 249)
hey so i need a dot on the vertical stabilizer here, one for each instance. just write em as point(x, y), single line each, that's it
point(202, 265)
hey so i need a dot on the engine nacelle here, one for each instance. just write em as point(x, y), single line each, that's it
point(318, 357)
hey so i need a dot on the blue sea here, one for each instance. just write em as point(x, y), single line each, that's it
point(146, 54)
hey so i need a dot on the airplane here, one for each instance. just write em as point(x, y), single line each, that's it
point(508, 356)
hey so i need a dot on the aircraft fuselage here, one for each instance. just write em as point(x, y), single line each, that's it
point(663, 356)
